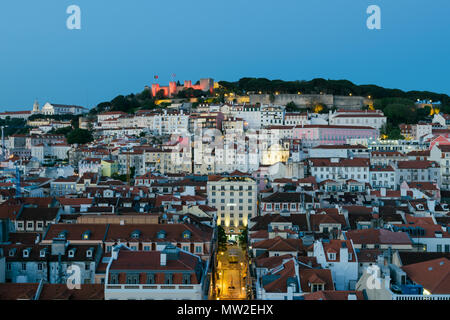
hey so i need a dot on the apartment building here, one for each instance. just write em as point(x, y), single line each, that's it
point(235, 198)
point(418, 170)
point(336, 168)
point(167, 273)
point(441, 154)
point(363, 118)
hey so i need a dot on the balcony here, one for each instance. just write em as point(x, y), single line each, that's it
point(411, 297)
point(153, 291)
point(152, 287)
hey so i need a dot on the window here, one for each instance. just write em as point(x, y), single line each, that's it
point(168, 278)
point(24, 266)
point(114, 278)
point(186, 278)
point(150, 278)
point(186, 234)
point(198, 249)
point(332, 256)
point(132, 278)
point(86, 235)
point(135, 234)
point(146, 248)
point(161, 234)
point(316, 287)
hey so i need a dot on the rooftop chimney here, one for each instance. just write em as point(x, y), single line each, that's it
point(163, 259)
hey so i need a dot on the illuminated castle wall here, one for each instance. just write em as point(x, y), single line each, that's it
point(172, 89)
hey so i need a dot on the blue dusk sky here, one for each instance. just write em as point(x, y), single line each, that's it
point(123, 44)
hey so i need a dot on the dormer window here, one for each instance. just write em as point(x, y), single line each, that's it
point(89, 253)
point(12, 252)
point(26, 253)
point(63, 234)
point(72, 253)
point(43, 252)
point(86, 235)
point(316, 287)
point(135, 234)
point(186, 234)
point(332, 255)
point(161, 234)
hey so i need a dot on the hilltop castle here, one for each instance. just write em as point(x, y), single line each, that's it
point(172, 89)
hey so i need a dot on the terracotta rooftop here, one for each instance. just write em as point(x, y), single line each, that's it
point(378, 236)
point(433, 275)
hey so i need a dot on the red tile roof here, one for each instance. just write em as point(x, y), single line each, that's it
point(378, 236)
point(62, 292)
point(333, 295)
point(280, 244)
point(356, 162)
point(417, 164)
point(315, 276)
point(433, 275)
point(280, 284)
point(151, 261)
point(18, 291)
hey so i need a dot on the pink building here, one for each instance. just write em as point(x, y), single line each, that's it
point(313, 135)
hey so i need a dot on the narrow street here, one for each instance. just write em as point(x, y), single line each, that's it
point(231, 274)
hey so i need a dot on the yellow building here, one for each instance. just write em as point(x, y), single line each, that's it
point(274, 154)
point(109, 167)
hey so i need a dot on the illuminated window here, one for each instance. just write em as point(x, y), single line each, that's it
point(86, 235)
point(186, 234)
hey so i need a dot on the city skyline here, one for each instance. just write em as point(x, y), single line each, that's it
point(120, 47)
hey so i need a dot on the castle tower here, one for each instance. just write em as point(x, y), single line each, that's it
point(172, 88)
point(35, 107)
